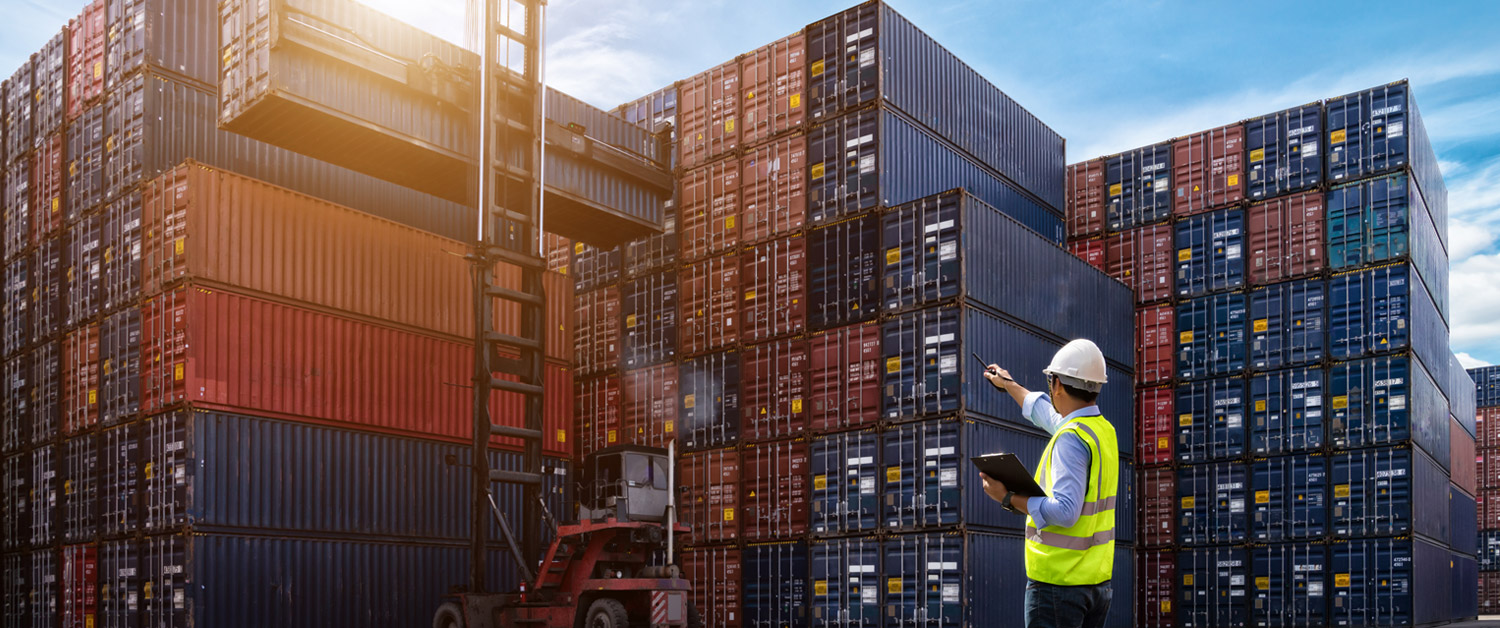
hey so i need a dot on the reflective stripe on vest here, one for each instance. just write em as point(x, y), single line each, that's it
point(1083, 553)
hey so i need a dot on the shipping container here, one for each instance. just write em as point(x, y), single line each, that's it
point(710, 496)
point(1215, 586)
point(80, 474)
point(1386, 400)
point(1486, 386)
point(1144, 259)
point(1387, 220)
point(165, 35)
point(121, 487)
point(15, 501)
point(845, 469)
point(1084, 188)
point(1286, 411)
point(1286, 238)
point(775, 585)
point(775, 490)
point(716, 576)
point(1460, 452)
point(1287, 324)
point(20, 97)
point(1291, 498)
point(773, 194)
point(1465, 593)
point(49, 284)
point(1211, 336)
point(1489, 593)
point(1463, 516)
point(846, 578)
point(1158, 499)
point(709, 295)
point(1380, 130)
point(51, 77)
point(1208, 170)
point(84, 183)
point(1157, 418)
point(901, 162)
point(15, 589)
point(119, 396)
point(649, 306)
point(647, 254)
point(710, 114)
point(1389, 582)
point(86, 56)
point(710, 210)
point(1210, 253)
point(1127, 518)
point(81, 379)
point(79, 585)
point(1157, 573)
point(1091, 251)
point(1461, 402)
point(844, 273)
point(1389, 491)
point(1489, 550)
point(18, 306)
point(1214, 504)
point(595, 267)
point(775, 386)
point(653, 112)
point(596, 404)
point(44, 581)
point(1139, 187)
point(845, 375)
point(870, 53)
point(1156, 331)
point(84, 271)
point(16, 202)
point(1284, 152)
point(1291, 585)
point(596, 330)
point(1211, 420)
point(773, 276)
point(45, 496)
point(15, 403)
point(1487, 427)
point(711, 400)
point(120, 593)
point(650, 401)
point(929, 482)
point(47, 185)
point(46, 391)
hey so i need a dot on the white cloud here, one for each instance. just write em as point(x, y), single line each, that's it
point(1466, 238)
point(1475, 288)
point(1470, 362)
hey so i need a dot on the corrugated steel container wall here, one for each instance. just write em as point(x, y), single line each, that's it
point(46, 392)
point(15, 403)
point(773, 276)
point(653, 112)
point(776, 490)
point(1090, 251)
point(1383, 310)
point(878, 158)
point(122, 494)
point(85, 270)
point(593, 267)
point(1286, 238)
point(1214, 586)
point(1379, 130)
point(120, 592)
point(1291, 498)
point(1287, 324)
point(16, 201)
point(710, 114)
point(1157, 419)
point(15, 501)
point(1489, 593)
point(178, 36)
point(949, 246)
point(45, 496)
point(1214, 503)
point(50, 77)
point(1211, 336)
point(1389, 491)
point(17, 304)
point(47, 176)
point(773, 193)
point(650, 402)
point(1461, 402)
point(774, 383)
point(1144, 259)
point(596, 330)
point(652, 252)
point(120, 367)
point(1386, 400)
point(844, 273)
point(596, 404)
point(1208, 170)
point(1085, 198)
point(1487, 428)
point(870, 52)
point(49, 282)
point(1389, 582)
point(81, 473)
point(15, 589)
point(776, 591)
point(1284, 152)
point(847, 579)
point(845, 374)
point(1489, 550)
point(86, 56)
point(710, 495)
point(1460, 452)
point(716, 576)
point(710, 405)
point(845, 471)
point(709, 295)
point(1386, 220)
point(649, 304)
point(85, 161)
point(569, 111)
point(1155, 344)
point(711, 209)
point(1127, 514)
point(19, 98)
point(1463, 517)
point(1486, 386)
point(1465, 599)
point(1287, 411)
point(81, 379)
point(1158, 499)
point(1138, 186)
point(1291, 584)
point(1210, 253)
point(1157, 573)
point(44, 581)
point(79, 585)
point(929, 483)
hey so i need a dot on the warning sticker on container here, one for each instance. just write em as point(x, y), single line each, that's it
point(893, 585)
point(1187, 502)
point(1185, 337)
point(562, 436)
point(177, 372)
point(892, 255)
point(893, 365)
point(1184, 255)
point(1163, 442)
point(1262, 324)
point(729, 514)
point(612, 436)
point(1184, 420)
point(1187, 580)
point(1341, 580)
point(817, 68)
point(797, 406)
point(795, 101)
point(893, 474)
point(1114, 190)
point(1260, 405)
point(820, 587)
point(729, 125)
point(1233, 180)
point(729, 222)
point(817, 171)
point(688, 401)
point(177, 245)
point(1340, 402)
point(1336, 137)
point(630, 320)
point(1258, 154)
point(1263, 582)
point(820, 482)
point(1166, 605)
point(1262, 497)
point(749, 295)
point(1341, 490)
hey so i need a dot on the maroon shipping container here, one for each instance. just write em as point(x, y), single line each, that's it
point(773, 196)
point(774, 390)
point(1157, 424)
point(1158, 502)
point(81, 379)
point(1487, 503)
point(776, 491)
point(597, 408)
point(710, 210)
point(649, 405)
point(709, 298)
point(1145, 259)
point(710, 499)
point(1085, 198)
point(773, 81)
point(1090, 250)
point(709, 110)
point(845, 374)
point(47, 188)
point(1487, 428)
point(1488, 468)
point(86, 43)
point(773, 276)
point(1209, 170)
point(1489, 593)
point(558, 251)
point(218, 350)
point(715, 574)
point(596, 330)
point(1286, 238)
point(1156, 576)
point(1460, 452)
point(79, 586)
point(1155, 341)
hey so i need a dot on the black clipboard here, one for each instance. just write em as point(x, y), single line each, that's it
point(1008, 469)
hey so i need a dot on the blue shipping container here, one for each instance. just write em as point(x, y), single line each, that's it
point(120, 481)
point(1291, 498)
point(1213, 503)
point(1284, 151)
point(1384, 310)
point(1291, 585)
point(1211, 252)
point(846, 483)
point(1138, 186)
point(846, 582)
point(1215, 583)
point(1486, 386)
point(15, 589)
point(594, 267)
point(1389, 582)
point(1465, 587)
point(1286, 410)
point(1387, 400)
point(929, 481)
point(1386, 220)
point(954, 246)
point(879, 158)
point(1380, 130)
point(1463, 516)
point(1287, 324)
point(44, 579)
point(710, 406)
point(1211, 420)
point(649, 307)
point(15, 501)
point(1489, 550)
point(15, 403)
point(121, 596)
point(1389, 491)
point(775, 585)
point(843, 273)
point(1461, 395)
point(18, 305)
point(1211, 336)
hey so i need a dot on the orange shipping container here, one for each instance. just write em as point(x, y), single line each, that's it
point(711, 495)
point(1209, 170)
point(710, 210)
point(1460, 452)
point(709, 298)
point(81, 379)
point(709, 109)
point(774, 190)
point(1085, 198)
point(773, 81)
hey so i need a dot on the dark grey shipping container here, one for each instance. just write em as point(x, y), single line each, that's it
point(929, 482)
point(85, 162)
point(19, 101)
point(1389, 582)
point(121, 595)
point(49, 79)
point(120, 367)
point(649, 307)
point(80, 471)
point(15, 501)
point(46, 391)
point(121, 481)
point(844, 273)
point(84, 270)
point(17, 307)
point(1389, 491)
point(44, 496)
point(1461, 395)
point(15, 403)
point(43, 579)
point(15, 589)
point(15, 200)
point(179, 37)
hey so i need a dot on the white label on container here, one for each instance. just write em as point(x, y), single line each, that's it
point(172, 569)
point(127, 572)
point(1315, 588)
point(867, 164)
point(867, 460)
point(1396, 129)
point(867, 595)
point(950, 593)
point(1310, 149)
point(946, 337)
point(1314, 414)
point(1398, 402)
point(934, 565)
point(1232, 251)
point(867, 57)
point(1315, 400)
point(174, 446)
point(932, 451)
point(130, 600)
point(948, 477)
point(1236, 505)
point(932, 339)
point(948, 364)
point(861, 569)
point(1233, 420)
point(179, 598)
point(1237, 592)
point(867, 486)
point(1237, 581)
point(947, 251)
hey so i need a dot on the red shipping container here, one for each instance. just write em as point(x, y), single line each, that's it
point(1460, 452)
point(711, 495)
point(1091, 251)
point(776, 490)
point(773, 81)
point(81, 379)
point(1487, 503)
point(1489, 593)
point(773, 276)
point(773, 390)
point(845, 373)
point(709, 110)
point(1209, 169)
point(597, 410)
point(1155, 409)
point(596, 330)
point(86, 41)
point(774, 194)
point(1488, 468)
point(710, 210)
point(709, 297)
point(1084, 202)
point(1286, 238)
point(47, 189)
point(1155, 342)
point(79, 588)
point(218, 350)
point(1156, 577)
point(1145, 259)
point(558, 251)
point(715, 574)
point(1487, 428)
point(1158, 500)
point(649, 402)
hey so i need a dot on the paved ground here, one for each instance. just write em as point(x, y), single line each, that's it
point(1485, 621)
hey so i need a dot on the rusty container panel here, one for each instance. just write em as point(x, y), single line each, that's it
point(81, 379)
point(773, 83)
point(710, 112)
point(710, 407)
point(1156, 338)
point(774, 191)
point(776, 492)
point(774, 382)
point(1144, 259)
point(1460, 452)
point(1209, 170)
point(596, 331)
point(844, 372)
point(1158, 499)
point(715, 574)
point(710, 209)
point(710, 300)
point(1084, 202)
point(47, 177)
point(1155, 414)
point(773, 276)
point(649, 414)
point(596, 403)
point(1286, 238)
point(1091, 251)
point(86, 57)
point(710, 495)
point(558, 251)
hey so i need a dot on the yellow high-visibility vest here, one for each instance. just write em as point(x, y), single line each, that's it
point(1083, 553)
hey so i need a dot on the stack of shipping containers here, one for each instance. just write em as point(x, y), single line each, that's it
point(1296, 433)
point(1486, 408)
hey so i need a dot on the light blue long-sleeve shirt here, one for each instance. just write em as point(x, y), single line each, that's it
point(1070, 464)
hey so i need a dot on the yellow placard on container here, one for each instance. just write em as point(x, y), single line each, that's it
point(893, 474)
point(1188, 502)
point(1262, 497)
point(1185, 337)
point(1184, 255)
point(893, 585)
point(562, 436)
point(1341, 490)
point(1341, 580)
point(1263, 582)
point(688, 401)
point(1262, 324)
point(893, 365)
point(817, 68)
point(892, 255)
point(795, 101)
point(820, 482)
point(1234, 180)
point(1337, 137)
point(1163, 442)
point(817, 171)
point(820, 587)
point(729, 514)
point(1184, 420)
point(1114, 190)
point(1258, 154)
point(1341, 402)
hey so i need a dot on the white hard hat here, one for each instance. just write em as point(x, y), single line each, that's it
point(1079, 364)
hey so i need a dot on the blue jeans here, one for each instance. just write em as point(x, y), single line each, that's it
point(1055, 606)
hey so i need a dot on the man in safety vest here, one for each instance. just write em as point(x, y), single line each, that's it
point(1070, 532)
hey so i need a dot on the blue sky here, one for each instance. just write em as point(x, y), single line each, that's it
point(1109, 76)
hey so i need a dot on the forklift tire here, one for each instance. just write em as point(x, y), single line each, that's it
point(694, 619)
point(449, 615)
point(606, 613)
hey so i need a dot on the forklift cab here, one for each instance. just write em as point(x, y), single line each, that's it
point(626, 482)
